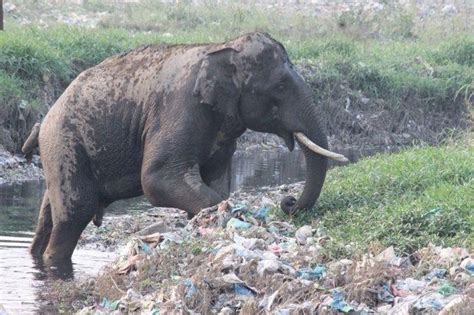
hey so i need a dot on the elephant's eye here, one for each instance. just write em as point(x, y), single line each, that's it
point(282, 83)
point(275, 112)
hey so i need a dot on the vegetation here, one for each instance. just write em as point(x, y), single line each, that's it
point(390, 55)
point(405, 200)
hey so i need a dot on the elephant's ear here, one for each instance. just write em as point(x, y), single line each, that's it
point(217, 83)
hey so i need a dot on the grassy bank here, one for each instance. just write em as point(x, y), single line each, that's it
point(405, 200)
point(374, 62)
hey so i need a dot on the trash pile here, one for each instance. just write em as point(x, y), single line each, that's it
point(116, 230)
point(239, 258)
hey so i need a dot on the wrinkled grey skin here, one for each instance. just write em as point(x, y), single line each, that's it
point(163, 122)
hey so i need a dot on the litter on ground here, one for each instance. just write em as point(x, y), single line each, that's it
point(239, 258)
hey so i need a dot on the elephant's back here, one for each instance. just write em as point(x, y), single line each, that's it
point(102, 117)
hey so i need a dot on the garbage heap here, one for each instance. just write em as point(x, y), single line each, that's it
point(237, 258)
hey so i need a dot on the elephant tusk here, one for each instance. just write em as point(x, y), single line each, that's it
point(317, 149)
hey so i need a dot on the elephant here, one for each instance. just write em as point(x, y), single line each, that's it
point(163, 121)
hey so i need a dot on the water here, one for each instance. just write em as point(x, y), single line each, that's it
point(21, 279)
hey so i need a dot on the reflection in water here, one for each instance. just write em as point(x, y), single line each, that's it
point(22, 279)
point(19, 206)
point(266, 168)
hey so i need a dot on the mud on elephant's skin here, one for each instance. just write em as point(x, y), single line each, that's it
point(163, 121)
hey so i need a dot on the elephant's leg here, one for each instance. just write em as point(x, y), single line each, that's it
point(184, 190)
point(63, 241)
point(216, 172)
point(43, 228)
point(74, 201)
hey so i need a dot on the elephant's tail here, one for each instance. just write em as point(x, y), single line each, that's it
point(31, 143)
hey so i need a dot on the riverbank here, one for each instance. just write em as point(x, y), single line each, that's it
point(390, 233)
point(375, 83)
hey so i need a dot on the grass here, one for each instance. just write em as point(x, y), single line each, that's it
point(391, 54)
point(430, 76)
point(406, 200)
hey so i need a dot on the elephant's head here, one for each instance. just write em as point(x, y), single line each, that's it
point(252, 80)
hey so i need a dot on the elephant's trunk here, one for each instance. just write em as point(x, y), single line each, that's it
point(314, 144)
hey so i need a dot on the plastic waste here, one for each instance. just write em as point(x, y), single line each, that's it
point(384, 294)
point(316, 273)
point(134, 247)
point(130, 264)
point(262, 214)
point(205, 231)
point(450, 255)
point(231, 280)
point(275, 248)
point(388, 256)
point(109, 305)
point(446, 289)
point(238, 208)
point(226, 311)
point(468, 265)
point(433, 301)
point(303, 233)
point(237, 224)
point(290, 246)
point(284, 266)
point(266, 202)
point(190, 288)
point(436, 273)
point(267, 301)
point(339, 303)
point(267, 266)
point(458, 305)
point(152, 239)
point(410, 284)
point(248, 243)
point(402, 306)
point(242, 290)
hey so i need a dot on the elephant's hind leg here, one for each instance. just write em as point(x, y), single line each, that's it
point(43, 228)
point(63, 241)
point(74, 197)
point(68, 225)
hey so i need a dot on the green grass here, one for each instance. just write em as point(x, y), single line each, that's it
point(393, 54)
point(432, 74)
point(392, 57)
point(407, 200)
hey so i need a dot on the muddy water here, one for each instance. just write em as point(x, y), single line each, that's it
point(21, 279)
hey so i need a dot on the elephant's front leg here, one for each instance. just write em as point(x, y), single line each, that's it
point(216, 172)
point(178, 187)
